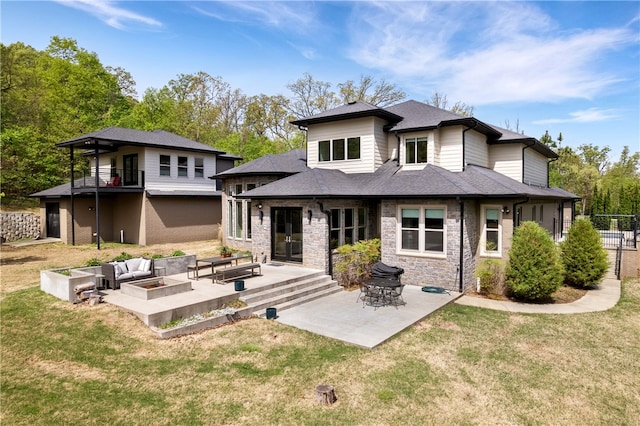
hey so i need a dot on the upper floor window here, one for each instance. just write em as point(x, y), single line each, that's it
point(183, 164)
point(416, 150)
point(199, 167)
point(339, 149)
point(165, 165)
point(113, 171)
point(422, 229)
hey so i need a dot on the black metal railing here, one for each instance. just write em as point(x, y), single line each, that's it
point(614, 230)
point(112, 178)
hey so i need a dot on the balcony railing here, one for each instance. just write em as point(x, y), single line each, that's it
point(110, 179)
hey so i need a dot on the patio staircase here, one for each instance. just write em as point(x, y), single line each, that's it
point(293, 292)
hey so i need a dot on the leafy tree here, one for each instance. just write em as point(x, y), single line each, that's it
point(380, 94)
point(439, 100)
point(311, 97)
point(584, 259)
point(534, 270)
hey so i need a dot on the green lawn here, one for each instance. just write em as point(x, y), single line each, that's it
point(67, 364)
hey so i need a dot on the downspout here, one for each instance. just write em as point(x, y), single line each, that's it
point(398, 149)
point(73, 203)
point(515, 212)
point(306, 135)
point(464, 145)
point(329, 252)
point(97, 197)
point(461, 267)
point(525, 147)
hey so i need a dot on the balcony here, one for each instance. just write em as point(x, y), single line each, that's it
point(109, 181)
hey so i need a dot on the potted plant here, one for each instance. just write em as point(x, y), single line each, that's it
point(225, 251)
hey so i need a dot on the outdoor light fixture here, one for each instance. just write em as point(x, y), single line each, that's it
point(505, 210)
point(259, 206)
point(309, 215)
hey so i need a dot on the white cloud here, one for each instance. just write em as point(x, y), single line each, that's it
point(292, 16)
point(590, 115)
point(485, 53)
point(110, 13)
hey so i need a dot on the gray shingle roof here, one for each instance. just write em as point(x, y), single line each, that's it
point(117, 136)
point(350, 110)
point(290, 162)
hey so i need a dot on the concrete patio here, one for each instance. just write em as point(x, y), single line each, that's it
point(339, 315)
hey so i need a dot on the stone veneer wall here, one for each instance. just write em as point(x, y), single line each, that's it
point(425, 270)
point(19, 226)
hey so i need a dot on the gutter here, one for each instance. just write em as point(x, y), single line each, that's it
point(329, 252)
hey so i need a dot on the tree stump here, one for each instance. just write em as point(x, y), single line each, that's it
point(325, 394)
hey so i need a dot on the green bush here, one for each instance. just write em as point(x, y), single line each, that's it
point(491, 277)
point(93, 262)
point(122, 256)
point(534, 270)
point(177, 253)
point(584, 259)
point(354, 261)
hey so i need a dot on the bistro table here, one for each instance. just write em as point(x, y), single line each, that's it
point(382, 291)
point(218, 261)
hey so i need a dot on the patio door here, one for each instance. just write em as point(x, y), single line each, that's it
point(130, 170)
point(286, 234)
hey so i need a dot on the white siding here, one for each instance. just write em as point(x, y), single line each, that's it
point(506, 159)
point(450, 144)
point(153, 180)
point(372, 143)
point(535, 168)
point(476, 149)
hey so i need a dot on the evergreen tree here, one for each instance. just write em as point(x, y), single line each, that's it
point(534, 270)
point(585, 261)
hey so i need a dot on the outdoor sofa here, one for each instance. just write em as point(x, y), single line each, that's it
point(119, 272)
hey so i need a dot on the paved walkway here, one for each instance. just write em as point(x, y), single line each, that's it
point(604, 297)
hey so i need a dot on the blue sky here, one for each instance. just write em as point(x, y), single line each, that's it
point(570, 67)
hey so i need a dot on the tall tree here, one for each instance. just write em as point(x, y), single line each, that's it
point(311, 97)
point(378, 93)
point(439, 100)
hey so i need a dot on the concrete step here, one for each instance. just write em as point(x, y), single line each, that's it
point(286, 288)
point(262, 310)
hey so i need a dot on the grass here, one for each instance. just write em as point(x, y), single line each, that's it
point(77, 364)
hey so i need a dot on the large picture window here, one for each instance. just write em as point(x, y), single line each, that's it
point(348, 225)
point(492, 230)
point(416, 150)
point(422, 229)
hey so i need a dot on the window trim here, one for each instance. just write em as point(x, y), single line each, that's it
point(415, 150)
point(198, 170)
point(483, 235)
point(183, 168)
point(421, 251)
point(346, 152)
point(165, 166)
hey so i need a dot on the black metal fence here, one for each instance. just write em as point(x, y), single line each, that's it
point(616, 229)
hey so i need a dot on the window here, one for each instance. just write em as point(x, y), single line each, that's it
point(335, 227)
point(362, 223)
point(251, 186)
point(324, 151)
point(337, 149)
point(423, 229)
point(353, 148)
point(238, 219)
point(348, 226)
point(183, 163)
point(541, 214)
point(114, 171)
point(248, 218)
point(239, 189)
point(165, 165)
point(533, 214)
point(198, 167)
point(230, 219)
point(416, 150)
point(491, 230)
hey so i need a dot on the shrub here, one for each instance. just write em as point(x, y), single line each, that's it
point(93, 262)
point(177, 253)
point(354, 261)
point(534, 270)
point(122, 256)
point(584, 259)
point(491, 277)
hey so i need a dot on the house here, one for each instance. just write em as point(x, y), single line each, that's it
point(442, 191)
point(139, 187)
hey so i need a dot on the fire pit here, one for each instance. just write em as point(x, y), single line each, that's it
point(153, 288)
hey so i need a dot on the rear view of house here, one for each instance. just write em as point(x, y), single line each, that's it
point(139, 187)
point(441, 191)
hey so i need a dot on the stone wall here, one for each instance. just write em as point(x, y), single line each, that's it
point(19, 226)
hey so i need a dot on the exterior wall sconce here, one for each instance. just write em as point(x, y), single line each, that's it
point(309, 215)
point(259, 205)
point(91, 208)
point(505, 210)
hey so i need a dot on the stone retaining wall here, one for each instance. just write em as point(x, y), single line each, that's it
point(19, 226)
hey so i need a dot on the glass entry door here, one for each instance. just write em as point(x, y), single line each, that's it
point(286, 234)
point(131, 170)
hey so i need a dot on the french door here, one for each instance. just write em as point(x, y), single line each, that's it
point(130, 170)
point(286, 234)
